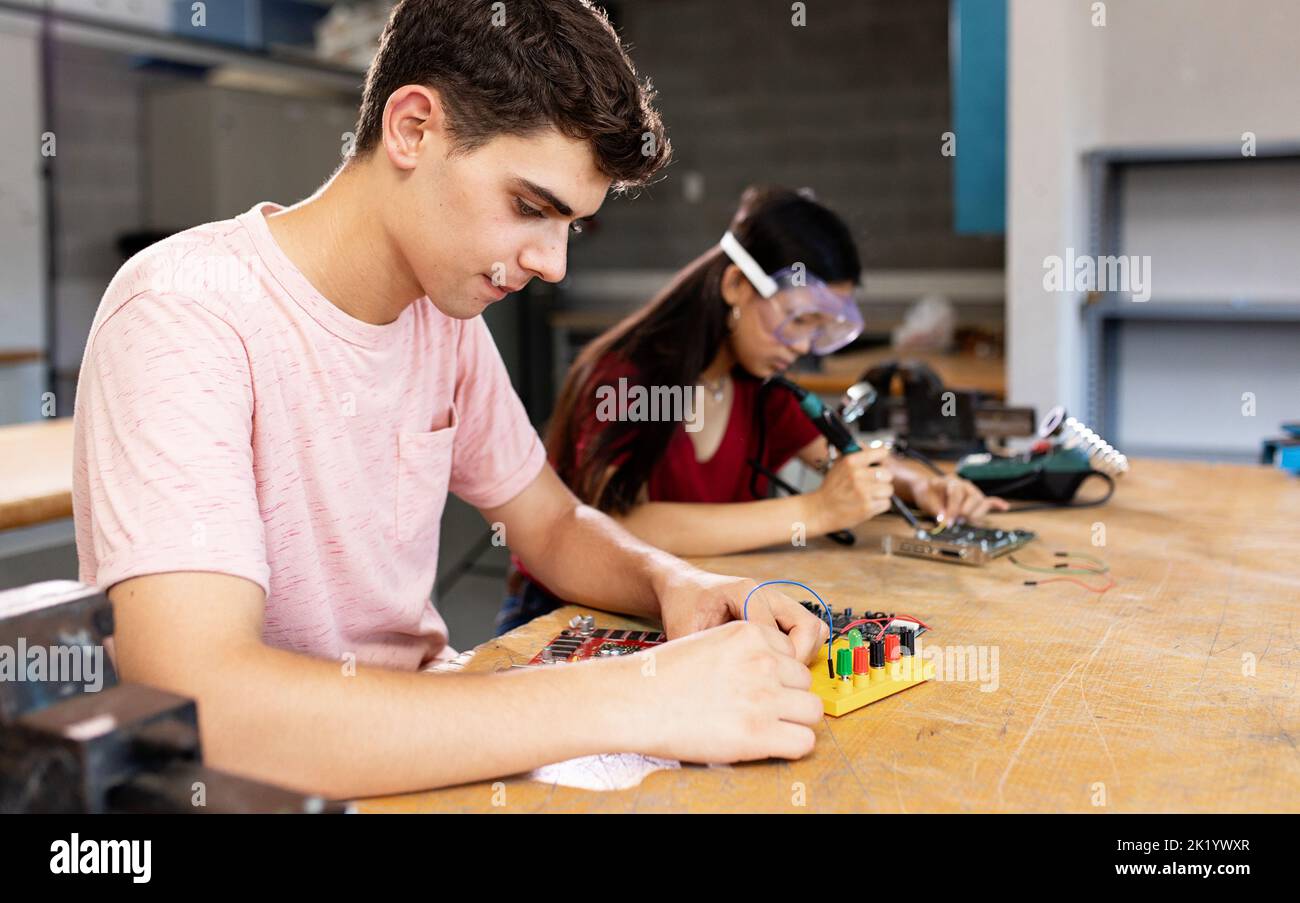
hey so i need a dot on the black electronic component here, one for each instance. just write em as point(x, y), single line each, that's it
point(907, 640)
point(877, 649)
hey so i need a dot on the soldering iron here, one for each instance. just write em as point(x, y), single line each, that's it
point(832, 426)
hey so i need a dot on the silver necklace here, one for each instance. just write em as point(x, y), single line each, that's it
point(717, 388)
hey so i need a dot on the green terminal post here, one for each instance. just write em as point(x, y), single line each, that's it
point(844, 663)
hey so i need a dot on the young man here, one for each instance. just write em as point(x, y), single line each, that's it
point(272, 410)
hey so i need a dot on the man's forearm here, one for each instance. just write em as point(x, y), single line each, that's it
point(590, 559)
point(310, 724)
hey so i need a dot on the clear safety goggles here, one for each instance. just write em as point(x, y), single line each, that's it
point(799, 308)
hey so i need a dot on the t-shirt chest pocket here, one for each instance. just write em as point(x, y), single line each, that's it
point(423, 470)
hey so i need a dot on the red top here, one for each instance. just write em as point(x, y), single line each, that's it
point(725, 477)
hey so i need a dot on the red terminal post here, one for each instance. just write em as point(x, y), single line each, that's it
point(892, 653)
point(860, 660)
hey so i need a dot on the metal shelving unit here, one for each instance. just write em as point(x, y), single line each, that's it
point(1105, 313)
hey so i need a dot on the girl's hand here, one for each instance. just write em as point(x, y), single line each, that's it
point(950, 498)
point(856, 489)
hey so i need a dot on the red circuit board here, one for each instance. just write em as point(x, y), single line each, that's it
point(575, 645)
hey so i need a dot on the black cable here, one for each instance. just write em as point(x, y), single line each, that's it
point(913, 520)
point(757, 468)
point(775, 479)
point(843, 537)
point(904, 449)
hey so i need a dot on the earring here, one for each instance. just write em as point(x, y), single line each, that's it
point(735, 313)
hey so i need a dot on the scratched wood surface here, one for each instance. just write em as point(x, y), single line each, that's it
point(1174, 691)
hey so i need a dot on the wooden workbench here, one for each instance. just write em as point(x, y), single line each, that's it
point(1174, 691)
point(35, 472)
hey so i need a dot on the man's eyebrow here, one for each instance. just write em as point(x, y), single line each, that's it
point(545, 194)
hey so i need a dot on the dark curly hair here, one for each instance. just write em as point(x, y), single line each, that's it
point(516, 68)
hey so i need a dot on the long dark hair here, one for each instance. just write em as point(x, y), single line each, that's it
point(671, 340)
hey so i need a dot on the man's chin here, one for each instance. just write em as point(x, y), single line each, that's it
point(463, 308)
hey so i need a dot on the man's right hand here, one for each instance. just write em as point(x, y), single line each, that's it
point(856, 489)
point(727, 694)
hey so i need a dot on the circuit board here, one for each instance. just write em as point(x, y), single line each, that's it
point(586, 641)
point(962, 544)
point(841, 618)
point(874, 655)
point(862, 686)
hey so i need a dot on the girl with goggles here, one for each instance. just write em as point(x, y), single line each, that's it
point(802, 311)
point(777, 286)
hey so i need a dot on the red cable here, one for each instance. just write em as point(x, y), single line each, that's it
point(849, 626)
point(887, 622)
point(1091, 589)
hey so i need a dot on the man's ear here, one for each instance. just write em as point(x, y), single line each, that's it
point(413, 119)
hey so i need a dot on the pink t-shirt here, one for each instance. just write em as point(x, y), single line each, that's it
point(229, 418)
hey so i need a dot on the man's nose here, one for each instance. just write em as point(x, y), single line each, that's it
point(549, 259)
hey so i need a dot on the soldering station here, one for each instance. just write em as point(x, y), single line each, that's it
point(1064, 454)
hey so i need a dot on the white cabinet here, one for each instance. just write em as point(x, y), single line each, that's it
point(214, 152)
